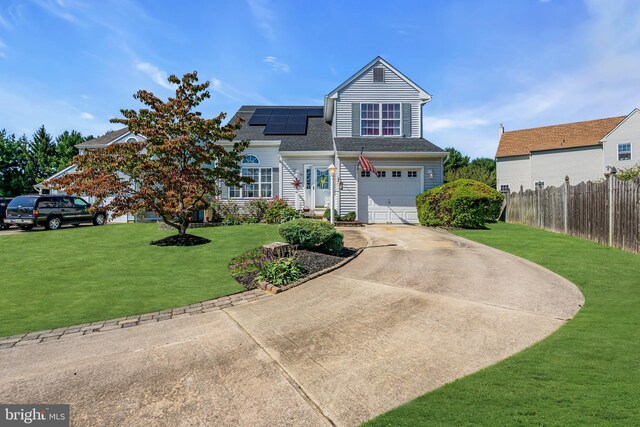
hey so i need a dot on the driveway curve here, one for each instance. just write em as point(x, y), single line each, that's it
point(416, 310)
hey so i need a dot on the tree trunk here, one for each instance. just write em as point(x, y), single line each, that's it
point(183, 227)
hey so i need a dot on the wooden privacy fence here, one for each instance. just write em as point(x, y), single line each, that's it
point(606, 212)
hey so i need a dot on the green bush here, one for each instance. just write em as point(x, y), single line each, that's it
point(463, 203)
point(349, 216)
point(327, 214)
point(278, 211)
point(306, 233)
point(256, 208)
point(334, 245)
point(629, 173)
point(281, 271)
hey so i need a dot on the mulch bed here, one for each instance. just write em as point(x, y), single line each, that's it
point(311, 261)
point(181, 240)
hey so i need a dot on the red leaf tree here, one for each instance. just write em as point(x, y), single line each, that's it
point(175, 171)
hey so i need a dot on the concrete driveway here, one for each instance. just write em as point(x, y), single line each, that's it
point(418, 308)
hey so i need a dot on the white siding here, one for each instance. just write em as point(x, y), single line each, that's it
point(580, 164)
point(363, 89)
point(348, 195)
point(627, 132)
point(514, 172)
point(289, 166)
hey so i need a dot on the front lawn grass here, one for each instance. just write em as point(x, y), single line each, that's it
point(586, 373)
point(51, 279)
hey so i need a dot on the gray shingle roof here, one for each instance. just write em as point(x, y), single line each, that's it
point(387, 144)
point(104, 139)
point(318, 137)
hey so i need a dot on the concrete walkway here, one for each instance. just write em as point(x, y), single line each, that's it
point(417, 309)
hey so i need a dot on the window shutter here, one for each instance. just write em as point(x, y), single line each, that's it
point(355, 119)
point(406, 119)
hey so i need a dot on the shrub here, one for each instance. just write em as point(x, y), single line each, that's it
point(463, 203)
point(281, 271)
point(278, 211)
point(229, 211)
point(306, 233)
point(629, 173)
point(349, 216)
point(327, 214)
point(256, 209)
point(334, 245)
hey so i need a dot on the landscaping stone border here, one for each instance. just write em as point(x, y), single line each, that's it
point(268, 287)
point(135, 320)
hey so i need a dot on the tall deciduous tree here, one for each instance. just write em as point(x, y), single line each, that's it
point(66, 147)
point(41, 163)
point(175, 170)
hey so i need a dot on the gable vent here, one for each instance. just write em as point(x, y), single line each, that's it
point(378, 75)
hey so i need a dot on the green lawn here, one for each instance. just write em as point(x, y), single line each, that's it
point(70, 276)
point(587, 373)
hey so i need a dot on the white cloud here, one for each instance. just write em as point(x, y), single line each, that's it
point(275, 65)
point(262, 11)
point(235, 94)
point(86, 116)
point(604, 83)
point(157, 75)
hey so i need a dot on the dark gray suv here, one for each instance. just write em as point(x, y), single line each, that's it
point(51, 211)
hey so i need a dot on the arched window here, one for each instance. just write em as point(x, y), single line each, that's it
point(132, 139)
point(250, 159)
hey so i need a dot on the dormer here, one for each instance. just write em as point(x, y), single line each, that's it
point(378, 101)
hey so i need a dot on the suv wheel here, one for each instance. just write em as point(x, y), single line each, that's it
point(99, 219)
point(54, 223)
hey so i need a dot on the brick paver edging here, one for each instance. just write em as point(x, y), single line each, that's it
point(126, 322)
point(265, 291)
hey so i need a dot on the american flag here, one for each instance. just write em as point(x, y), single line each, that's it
point(366, 165)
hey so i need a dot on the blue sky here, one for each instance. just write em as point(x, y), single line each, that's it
point(72, 64)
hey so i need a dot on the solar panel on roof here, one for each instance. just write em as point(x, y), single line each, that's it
point(295, 129)
point(263, 111)
point(297, 120)
point(280, 111)
point(278, 119)
point(315, 112)
point(274, 128)
point(257, 120)
point(298, 112)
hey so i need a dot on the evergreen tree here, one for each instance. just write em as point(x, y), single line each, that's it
point(42, 157)
point(455, 160)
point(13, 159)
point(66, 148)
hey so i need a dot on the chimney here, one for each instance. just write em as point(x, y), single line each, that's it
point(500, 130)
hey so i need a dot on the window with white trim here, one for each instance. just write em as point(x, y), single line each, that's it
point(624, 151)
point(396, 174)
point(132, 139)
point(382, 174)
point(365, 174)
point(412, 174)
point(380, 119)
point(504, 189)
point(262, 185)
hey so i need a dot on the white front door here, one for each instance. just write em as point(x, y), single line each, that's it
point(320, 188)
point(390, 198)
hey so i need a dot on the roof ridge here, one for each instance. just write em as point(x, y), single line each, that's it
point(565, 124)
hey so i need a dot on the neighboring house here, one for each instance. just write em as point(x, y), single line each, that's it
point(583, 151)
point(377, 111)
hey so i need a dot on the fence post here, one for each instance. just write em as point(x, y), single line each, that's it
point(611, 181)
point(538, 206)
point(566, 204)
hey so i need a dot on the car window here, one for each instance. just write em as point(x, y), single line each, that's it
point(46, 202)
point(65, 202)
point(79, 203)
point(23, 201)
